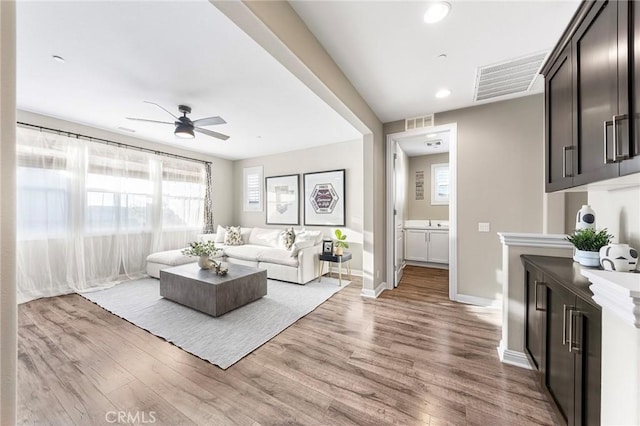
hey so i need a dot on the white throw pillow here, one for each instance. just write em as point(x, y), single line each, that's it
point(305, 234)
point(220, 233)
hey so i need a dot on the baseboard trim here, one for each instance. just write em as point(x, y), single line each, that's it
point(373, 294)
point(478, 301)
point(427, 264)
point(508, 356)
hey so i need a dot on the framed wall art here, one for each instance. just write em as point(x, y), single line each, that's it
point(324, 198)
point(283, 200)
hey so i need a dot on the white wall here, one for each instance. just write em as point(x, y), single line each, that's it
point(280, 31)
point(8, 307)
point(222, 169)
point(618, 211)
point(499, 174)
point(343, 155)
point(423, 209)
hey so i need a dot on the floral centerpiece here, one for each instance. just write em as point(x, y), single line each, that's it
point(204, 251)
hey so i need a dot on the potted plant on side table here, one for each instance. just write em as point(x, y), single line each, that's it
point(340, 244)
point(588, 243)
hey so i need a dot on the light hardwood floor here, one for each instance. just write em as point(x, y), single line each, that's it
point(411, 357)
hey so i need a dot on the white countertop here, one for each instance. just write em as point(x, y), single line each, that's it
point(617, 291)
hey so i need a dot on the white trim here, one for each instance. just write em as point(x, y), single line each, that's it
point(478, 301)
point(427, 264)
point(435, 200)
point(373, 294)
point(453, 208)
point(519, 359)
point(534, 240)
point(618, 292)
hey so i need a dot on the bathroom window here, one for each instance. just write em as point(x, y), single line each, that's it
point(440, 184)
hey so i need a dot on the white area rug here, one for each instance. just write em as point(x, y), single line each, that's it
point(225, 340)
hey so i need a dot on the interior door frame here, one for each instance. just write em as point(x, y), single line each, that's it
point(453, 202)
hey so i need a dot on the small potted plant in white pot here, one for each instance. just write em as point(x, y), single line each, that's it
point(588, 243)
point(340, 244)
point(204, 250)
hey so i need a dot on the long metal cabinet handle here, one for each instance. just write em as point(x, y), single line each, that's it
point(564, 325)
point(617, 157)
point(564, 161)
point(573, 315)
point(570, 329)
point(535, 294)
point(604, 140)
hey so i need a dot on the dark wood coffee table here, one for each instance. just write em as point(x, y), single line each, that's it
point(215, 295)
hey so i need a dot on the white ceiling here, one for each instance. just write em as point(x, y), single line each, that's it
point(391, 56)
point(119, 54)
point(425, 144)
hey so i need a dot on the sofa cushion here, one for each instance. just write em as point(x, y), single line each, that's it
point(299, 245)
point(233, 237)
point(170, 257)
point(277, 256)
point(244, 252)
point(264, 237)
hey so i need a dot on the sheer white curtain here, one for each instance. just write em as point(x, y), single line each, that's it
point(89, 213)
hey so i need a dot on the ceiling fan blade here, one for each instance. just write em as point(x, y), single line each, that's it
point(209, 121)
point(212, 134)
point(149, 121)
point(161, 107)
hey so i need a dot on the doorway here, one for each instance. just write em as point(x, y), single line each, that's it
point(419, 142)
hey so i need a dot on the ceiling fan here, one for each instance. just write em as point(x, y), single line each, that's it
point(184, 126)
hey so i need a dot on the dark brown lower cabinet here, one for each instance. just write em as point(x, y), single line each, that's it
point(563, 337)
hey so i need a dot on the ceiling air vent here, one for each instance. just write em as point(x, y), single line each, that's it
point(508, 78)
point(418, 122)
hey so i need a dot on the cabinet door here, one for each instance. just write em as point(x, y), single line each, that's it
point(595, 95)
point(416, 245)
point(586, 323)
point(559, 375)
point(438, 246)
point(632, 165)
point(559, 124)
point(535, 306)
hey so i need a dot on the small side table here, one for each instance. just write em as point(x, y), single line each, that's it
point(345, 258)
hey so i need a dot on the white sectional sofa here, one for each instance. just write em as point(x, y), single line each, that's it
point(261, 248)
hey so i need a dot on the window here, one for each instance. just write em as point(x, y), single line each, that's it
point(252, 183)
point(440, 184)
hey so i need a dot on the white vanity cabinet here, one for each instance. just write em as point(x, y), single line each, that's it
point(416, 245)
point(427, 245)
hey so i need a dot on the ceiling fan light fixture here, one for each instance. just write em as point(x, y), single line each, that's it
point(184, 131)
point(436, 12)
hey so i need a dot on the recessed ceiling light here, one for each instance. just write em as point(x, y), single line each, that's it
point(58, 59)
point(443, 93)
point(436, 12)
point(126, 129)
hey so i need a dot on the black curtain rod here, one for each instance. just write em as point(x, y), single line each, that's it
point(108, 142)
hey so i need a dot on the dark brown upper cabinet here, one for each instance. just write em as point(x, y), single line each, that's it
point(632, 165)
point(592, 130)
